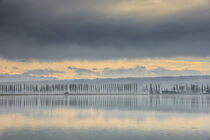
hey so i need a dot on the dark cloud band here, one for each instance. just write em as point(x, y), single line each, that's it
point(83, 29)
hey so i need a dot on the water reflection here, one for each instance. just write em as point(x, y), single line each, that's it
point(85, 117)
point(186, 103)
point(94, 119)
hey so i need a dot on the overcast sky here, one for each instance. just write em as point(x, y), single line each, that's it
point(57, 30)
point(103, 29)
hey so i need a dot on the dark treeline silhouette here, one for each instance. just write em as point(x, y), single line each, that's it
point(101, 88)
point(76, 88)
point(192, 88)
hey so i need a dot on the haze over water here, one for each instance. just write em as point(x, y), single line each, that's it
point(105, 117)
point(104, 70)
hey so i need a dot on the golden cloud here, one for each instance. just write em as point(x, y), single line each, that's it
point(155, 7)
point(96, 67)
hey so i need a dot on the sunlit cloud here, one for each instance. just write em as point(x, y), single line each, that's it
point(118, 68)
point(155, 7)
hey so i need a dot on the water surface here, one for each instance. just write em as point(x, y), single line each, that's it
point(94, 117)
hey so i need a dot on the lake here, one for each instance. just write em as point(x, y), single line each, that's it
point(105, 117)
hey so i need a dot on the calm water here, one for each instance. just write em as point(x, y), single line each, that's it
point(97, 117)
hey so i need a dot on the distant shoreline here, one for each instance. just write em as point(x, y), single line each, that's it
point(97, 94)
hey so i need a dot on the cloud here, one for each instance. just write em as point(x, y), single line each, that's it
point(82, 71)
point(71, 68)
point(165, 72)
point(32, 75)
point(88, 69)
point(42, 72)
point(98, 29)
point(138, 71)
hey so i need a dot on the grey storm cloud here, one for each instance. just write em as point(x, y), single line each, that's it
point(42, 72)
point(165, 72)
point(122, 72)
point(82, 71)
point(22, 77)
point(85, 29)
point(140, 71)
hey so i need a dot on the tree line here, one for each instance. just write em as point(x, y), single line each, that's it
point(192, 88)
point(75, 88)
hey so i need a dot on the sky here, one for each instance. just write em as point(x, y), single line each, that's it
point(75, 39)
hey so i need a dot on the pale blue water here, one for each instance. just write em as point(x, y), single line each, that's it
point(100, 117)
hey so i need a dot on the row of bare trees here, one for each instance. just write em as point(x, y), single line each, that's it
point(192, 88)
point(69, 88)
